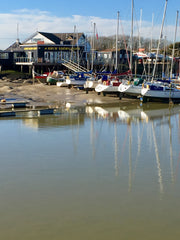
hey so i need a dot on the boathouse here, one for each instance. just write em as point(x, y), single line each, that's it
point(43, 51)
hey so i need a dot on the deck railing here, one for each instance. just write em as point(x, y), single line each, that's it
point(24, 60)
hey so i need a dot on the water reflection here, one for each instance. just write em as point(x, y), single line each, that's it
point(121, 114)
point(110, 171)
point(54, 121)
point(156, 119)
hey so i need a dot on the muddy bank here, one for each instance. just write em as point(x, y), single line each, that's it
point(40, 94)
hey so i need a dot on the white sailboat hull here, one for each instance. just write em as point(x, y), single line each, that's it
point(106, 88)
point(61, 84)
point(90, 84)
point(101, 87)
point(130, 89)
point(74, 82)
point(164, 95)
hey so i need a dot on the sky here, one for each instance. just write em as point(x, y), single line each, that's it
point(21, 19)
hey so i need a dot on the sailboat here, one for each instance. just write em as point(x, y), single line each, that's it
point(160, 91)
point(109, 84)
point(56, 77)
point(78, 79)
point(131, 87)
point(112, 82)
point(92, 82)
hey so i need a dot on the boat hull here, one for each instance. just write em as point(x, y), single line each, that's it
point(90, 85)
point(51, 80)
point(107, 89)
point(130, 90)
point(73, 82)
point(163, 95)
point(61, 84)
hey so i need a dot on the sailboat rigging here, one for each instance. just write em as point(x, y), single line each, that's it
point(160, 36)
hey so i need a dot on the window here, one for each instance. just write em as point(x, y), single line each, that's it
point(4, 56)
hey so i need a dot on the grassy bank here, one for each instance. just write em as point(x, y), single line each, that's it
point(14, 75)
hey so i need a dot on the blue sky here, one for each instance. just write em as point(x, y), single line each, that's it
point(61, 16)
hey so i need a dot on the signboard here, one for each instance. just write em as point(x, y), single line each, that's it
point(61, 48)
point(30, 48)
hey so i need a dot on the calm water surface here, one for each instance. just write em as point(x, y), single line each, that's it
point(95, 173)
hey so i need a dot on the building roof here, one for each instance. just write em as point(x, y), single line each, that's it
point(15, 47)
point(58, 37)
point(69, 37)
point(51, 36)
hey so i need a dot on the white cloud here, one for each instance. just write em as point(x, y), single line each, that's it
point(29, 21)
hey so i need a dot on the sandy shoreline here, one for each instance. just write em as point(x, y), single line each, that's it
point(40, 94)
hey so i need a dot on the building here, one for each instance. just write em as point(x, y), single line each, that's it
point(108, 58)
point(44, 51)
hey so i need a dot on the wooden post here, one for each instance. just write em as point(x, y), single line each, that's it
point(33, 73)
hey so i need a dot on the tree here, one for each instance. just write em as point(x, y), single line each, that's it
point(177, 49)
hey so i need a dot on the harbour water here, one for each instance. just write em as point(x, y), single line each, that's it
point(91, 173)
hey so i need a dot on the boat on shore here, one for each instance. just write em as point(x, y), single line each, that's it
point(41, 77)
point(54, 77)
point(159, 91)
point(78, 80)
point(91, 83)
point(108, 85)
point(131, 87)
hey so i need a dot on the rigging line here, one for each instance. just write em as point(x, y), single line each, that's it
point(125, 43)
point(138, 25)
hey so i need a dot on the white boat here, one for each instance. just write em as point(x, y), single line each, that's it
point(160, 92)
point(77, 80)
point(110, 83)
point(54, 77)
point(108, 86)
point(129, 88)
point(61, 82)
point(90, 84)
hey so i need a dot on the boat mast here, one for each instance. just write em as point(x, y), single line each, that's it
point(92, 54)
point(140, 28)
point(117, 33)
point(72, 48)
point(77, 49)
point(163, 66)
point(17, 33)
point(151, 43)
point(160, 36)
point(131, 47)
point(174, 45)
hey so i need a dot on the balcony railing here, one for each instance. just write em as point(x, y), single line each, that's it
point(24, 60)
point(39, 60)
